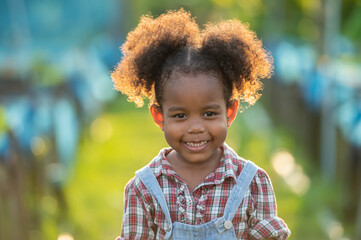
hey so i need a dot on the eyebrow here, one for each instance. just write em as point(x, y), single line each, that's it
point(175, 109)
point(211, 106)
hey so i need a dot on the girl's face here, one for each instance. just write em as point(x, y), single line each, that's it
point(194, 117)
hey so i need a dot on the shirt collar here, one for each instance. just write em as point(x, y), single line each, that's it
point(227, 167)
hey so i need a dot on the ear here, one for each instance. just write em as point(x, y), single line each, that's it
point(232, 112)
point(157, 116)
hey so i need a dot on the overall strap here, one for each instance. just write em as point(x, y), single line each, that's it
point(150, 181)
point(239, 190)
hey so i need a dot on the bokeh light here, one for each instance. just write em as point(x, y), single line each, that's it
point(65, 236)
point(285, 165)
point(335, 230)
point(283, 162)
point(39, 146)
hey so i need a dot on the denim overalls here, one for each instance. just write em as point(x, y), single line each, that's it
point(217, 229)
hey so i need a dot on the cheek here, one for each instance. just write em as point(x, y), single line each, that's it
point(172, 130)
point(218, 128)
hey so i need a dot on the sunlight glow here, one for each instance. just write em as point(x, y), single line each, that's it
point(65, 236)
point(285, 165)
point(283, 162)
point(38, 146)
point(335, 230)
point(298, 181)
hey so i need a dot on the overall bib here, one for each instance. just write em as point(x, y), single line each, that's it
point(217, 229)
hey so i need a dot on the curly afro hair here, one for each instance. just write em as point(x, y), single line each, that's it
point(158, 48)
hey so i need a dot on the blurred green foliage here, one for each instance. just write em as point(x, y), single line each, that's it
point(2, 120)
point(301, 19)
point(123, 138)
point(44, 73)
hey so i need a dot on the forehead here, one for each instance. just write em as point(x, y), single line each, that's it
point(189, 87)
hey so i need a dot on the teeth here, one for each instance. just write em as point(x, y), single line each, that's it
point(192, 144)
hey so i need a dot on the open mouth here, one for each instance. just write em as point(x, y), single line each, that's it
point(196, 144)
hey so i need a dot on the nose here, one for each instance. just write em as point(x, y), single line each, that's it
point(196, 126)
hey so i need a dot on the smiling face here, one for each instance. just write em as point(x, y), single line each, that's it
point(194, 117)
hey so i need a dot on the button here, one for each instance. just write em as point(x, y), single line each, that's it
point(275, 234)
point(228, 224)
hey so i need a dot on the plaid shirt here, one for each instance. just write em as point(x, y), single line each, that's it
point(256, 217)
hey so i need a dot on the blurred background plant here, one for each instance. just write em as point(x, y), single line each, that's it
point(69, 142)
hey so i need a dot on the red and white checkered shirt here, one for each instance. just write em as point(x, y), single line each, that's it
point(256, 217)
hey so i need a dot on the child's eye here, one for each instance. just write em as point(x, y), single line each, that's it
point(209, 114)
point(180, 115)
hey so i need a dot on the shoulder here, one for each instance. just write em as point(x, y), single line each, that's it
point(261, 178)
point(261, 185)
point(135, 185)
point(262, 174)
point(135, 189)
point(159, 165)
point(238, 163)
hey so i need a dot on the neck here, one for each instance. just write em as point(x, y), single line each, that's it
point(194, 173)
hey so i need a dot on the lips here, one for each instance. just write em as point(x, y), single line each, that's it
point(196, 146)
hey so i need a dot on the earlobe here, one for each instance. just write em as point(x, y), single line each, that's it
point(157, 116)
point(232, 112)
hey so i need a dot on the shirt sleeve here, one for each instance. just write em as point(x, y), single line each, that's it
point(263, 222)
point(137, 219)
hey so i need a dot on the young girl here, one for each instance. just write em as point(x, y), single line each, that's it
point(199, 188)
